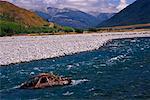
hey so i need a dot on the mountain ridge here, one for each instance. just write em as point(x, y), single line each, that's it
point(73, 17)
point(136, 13)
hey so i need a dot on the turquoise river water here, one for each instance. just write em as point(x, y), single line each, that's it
point(120, 70)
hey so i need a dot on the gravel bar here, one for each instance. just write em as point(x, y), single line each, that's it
point(18, 49)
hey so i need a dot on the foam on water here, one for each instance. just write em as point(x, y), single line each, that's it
point(68, 93)
point(36, 68)
point(116, 59)
point(32, 73)
point(69, 67)
point(76, 82)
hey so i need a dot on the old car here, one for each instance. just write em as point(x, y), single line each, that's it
point(45, 80)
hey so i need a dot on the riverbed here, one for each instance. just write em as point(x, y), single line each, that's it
point(18, 49)
point(119, 70)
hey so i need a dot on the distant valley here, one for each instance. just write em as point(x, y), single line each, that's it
point(16, 20)
point(73, 17)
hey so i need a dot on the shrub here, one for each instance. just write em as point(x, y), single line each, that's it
point(79, 30)
point(68, 29)
point(10, 28)
point(92, 30)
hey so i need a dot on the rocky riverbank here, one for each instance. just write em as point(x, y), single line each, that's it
point(27, 48)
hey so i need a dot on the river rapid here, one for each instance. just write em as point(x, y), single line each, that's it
point(118, 70)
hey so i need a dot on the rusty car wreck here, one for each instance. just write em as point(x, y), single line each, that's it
point(45, 80)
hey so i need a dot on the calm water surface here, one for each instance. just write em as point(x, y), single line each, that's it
point(119, 70)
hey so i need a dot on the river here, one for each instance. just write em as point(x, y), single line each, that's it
point(118, 70)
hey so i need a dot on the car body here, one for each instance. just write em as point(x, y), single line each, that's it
point(45, 80)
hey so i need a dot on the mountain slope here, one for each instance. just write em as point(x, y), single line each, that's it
point(43, 15)
point(13, 13)
point(71, 17)
point(104, 16)
point(16, 21)
point(136, 13)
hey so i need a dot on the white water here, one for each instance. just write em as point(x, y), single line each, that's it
point(76, 82)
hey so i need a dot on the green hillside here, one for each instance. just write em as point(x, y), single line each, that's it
point(15, 20)
point(13, 13)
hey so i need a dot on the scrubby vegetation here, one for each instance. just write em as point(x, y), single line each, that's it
point(15, 20)
point(92, 30)
point(68, 29)
point(8, 28)
point(11, 28)
point(12, 13)
point(79, 30)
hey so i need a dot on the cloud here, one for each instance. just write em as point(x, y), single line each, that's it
point(84, 5)
point(122, 5)
point(89, 5)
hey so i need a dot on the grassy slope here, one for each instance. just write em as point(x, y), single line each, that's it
point(13, 13)
point(137, 27)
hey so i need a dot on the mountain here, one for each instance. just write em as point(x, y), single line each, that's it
point(101, 16)
point(104, 16)
point(73, 17)
point(136, 13)
point(43, 15)
point(12, 13)
point(94, 13)
point(16, 21)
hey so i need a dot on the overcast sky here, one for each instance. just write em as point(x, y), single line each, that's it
point(84, 5)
